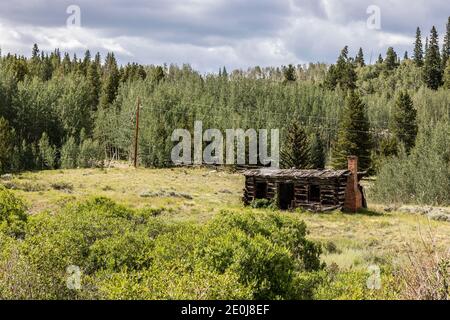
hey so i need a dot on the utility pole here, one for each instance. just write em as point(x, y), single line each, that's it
point(136, 137)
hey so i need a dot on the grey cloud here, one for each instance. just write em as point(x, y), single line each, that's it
point(236, 33)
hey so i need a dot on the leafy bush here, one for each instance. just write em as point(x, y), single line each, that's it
point(168, 282)
point(13, 216)
point(261, 203)
point(352, 285)
point(131, 254)
point(64, 186)
point(268, 251)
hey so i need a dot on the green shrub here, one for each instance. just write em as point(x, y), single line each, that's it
point(261, 203)
point(279, 229)
point(95, 235)
point(267, 251)
point(130, 254)
point(169, 284)
point(13, 216)
point(352, 285)
point(62, 186)
point(132, 250)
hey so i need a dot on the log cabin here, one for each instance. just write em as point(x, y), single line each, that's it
point(315, 190)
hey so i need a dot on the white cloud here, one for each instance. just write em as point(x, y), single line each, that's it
point(211, 33)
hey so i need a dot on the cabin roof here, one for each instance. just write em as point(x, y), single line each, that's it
point(296, 173)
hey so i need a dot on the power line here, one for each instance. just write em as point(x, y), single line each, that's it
point(308, 123)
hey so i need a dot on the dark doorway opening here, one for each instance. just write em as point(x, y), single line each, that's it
point(314, 193)
point(261, 190)
point(285, 195)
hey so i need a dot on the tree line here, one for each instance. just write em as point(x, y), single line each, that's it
point(62, 111)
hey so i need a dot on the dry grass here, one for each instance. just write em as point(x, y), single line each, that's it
point(425, 275)
point(198, 194)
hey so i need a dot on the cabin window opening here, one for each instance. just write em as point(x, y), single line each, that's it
point(261, 190)
point(314, 193)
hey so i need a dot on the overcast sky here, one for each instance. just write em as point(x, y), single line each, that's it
point(209, 34)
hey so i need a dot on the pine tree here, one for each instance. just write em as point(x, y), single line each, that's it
point(353, 137)
point(418, 49)
point(432, 66)
point(380, 59)
point(224, 72)
point(98, 62)
point(35, 62)
point(317, 153)
point(331, 78)
point(86, 62)
point(446, 46)
point(343, 74)
point(346, 72)
point(28, 155)
point(289, 74)
point(69, 154)
point(111, 80)
point(158, 74)
point(66, 64)
point(93, 79)
point(35, 52)
point(405, 124)
point(47, 69)
point(359, 60)
point(47, 152)
point(447, 75)
point(391, 59)
point(295, 151)
point(6, 145)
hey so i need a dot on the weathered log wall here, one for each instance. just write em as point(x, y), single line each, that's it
point(332, 191)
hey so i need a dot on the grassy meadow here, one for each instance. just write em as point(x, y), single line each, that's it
point(351, 241)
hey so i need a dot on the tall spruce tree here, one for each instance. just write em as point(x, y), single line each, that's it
point(6, 145)
point(317, 152)
point(295, 150)
point(354, 137)
point(224, 72)
point(343, 74)
point(391, 59)
point(359, 60)
point(47, 153)
point(86, 62)
point(447, 75)
point(446, 46)
point(418, 49)
point(111, 80)
point(405, 56)
point(346, 71)
point(380, 59)
point(158, 74)
point(433, 66)
point(404, 121)
point(289, 74)
point(93, 79)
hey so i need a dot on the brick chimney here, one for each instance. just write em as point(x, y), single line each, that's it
point(353, 196)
